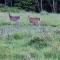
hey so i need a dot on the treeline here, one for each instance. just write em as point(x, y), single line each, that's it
point(25, 4)
point(35, 5)
point(39, 5)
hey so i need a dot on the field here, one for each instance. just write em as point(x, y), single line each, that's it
point(29, 42)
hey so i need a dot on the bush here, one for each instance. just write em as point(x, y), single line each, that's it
point(2, 5)
point(44, 12)
point(25, 4)
point(38, 42)
point(9, 9)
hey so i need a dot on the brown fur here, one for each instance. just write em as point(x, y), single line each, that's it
point(34, 20)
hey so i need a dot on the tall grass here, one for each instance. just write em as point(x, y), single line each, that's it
point(31, 45)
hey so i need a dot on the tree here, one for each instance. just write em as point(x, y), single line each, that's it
point(35, 5)
point(41, 5)
point(53, 5)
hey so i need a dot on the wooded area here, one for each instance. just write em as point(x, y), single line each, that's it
point(34, 5)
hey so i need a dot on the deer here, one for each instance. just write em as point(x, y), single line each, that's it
point(34, 20)
point(14, 18)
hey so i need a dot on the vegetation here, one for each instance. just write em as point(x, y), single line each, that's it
point(34, 5)
point(23, 41)
point(31, 42)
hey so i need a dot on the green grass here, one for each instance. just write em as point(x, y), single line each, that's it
point(25, 45)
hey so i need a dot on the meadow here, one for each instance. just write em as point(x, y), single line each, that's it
point(29, 42)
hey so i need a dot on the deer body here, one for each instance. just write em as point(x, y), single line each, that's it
point(14, 18)
point(34, 20)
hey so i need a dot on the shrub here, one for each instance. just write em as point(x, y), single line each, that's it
point(38, 42)
point(2, 5)
point(9, 9)
point(44, 12)
point(25, 4)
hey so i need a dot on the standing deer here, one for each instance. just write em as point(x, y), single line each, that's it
point(14, 18)
point(34, 20)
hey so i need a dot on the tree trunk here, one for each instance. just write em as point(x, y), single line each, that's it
point(49, 1)
point(11, 3)
point(41, 5)
point(54, 10)
point(5, 2)
point(37, 6)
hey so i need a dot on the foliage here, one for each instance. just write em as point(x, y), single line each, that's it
point(38, 42)
point(9, 9)
point(24, 45)
point(2, 5)
point(25, 4)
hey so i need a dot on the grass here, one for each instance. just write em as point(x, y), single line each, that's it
point(30, 43)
